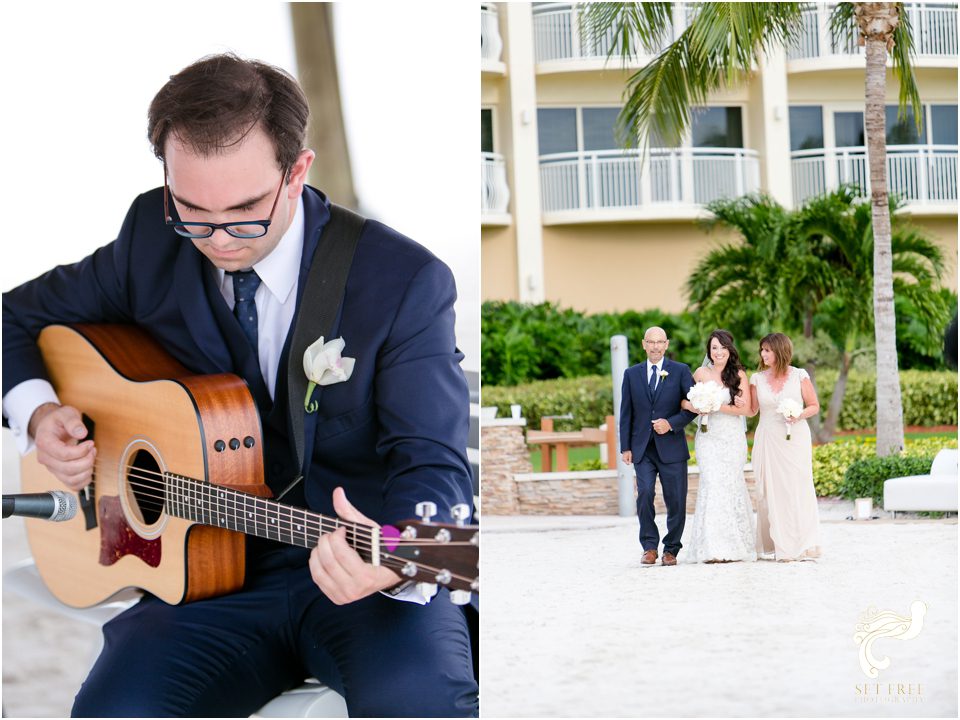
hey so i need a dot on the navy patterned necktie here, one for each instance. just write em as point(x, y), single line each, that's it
point(653, 378)
point(245, 284)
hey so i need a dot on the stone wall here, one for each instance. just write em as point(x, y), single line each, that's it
point(503, 454)
point(579, 493)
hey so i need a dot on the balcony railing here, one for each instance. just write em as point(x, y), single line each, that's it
point(491, 44)
point(917, 173)
point(934, 32)
point(556, 34)
point(623, 179)
point(494, 191)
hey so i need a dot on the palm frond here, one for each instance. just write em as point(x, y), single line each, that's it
point(720, 46)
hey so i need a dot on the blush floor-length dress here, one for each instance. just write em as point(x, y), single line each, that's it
point(788, 524)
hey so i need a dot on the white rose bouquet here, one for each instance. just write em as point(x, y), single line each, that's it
point(791, 410)
point(706, 397)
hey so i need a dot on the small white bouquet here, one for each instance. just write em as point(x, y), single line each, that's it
point(791, 410)
point(706, 397)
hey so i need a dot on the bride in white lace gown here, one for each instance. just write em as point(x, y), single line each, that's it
point(723, 523)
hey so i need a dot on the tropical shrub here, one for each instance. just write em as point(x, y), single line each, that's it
point(865, 478)
point(831, 461)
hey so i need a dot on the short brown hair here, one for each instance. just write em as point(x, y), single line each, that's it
point(782, 350)
point(215, 102)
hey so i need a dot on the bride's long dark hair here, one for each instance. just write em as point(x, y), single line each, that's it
point(731, 372)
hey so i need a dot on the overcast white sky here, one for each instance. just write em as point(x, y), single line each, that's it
point(78, 78)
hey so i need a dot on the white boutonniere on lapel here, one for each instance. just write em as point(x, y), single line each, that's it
point(324, 365)
point(663, 375)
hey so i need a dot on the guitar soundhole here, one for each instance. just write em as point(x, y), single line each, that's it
point(145, 479)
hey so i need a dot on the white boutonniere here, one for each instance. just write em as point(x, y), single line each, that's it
point(324, 365)
point(663, 374)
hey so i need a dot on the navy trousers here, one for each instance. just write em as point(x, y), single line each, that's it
point(673, 481)
point(227, 656)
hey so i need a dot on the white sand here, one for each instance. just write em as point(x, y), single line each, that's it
point(573, 626)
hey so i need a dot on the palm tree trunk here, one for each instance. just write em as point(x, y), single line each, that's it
point(889, 405)
point(317, 71)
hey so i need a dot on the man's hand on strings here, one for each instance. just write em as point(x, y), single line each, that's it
point(337, 569)
point(59, 433)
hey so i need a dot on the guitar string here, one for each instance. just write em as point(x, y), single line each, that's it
point(314, 521)
point(311, 519)
point(386, 557)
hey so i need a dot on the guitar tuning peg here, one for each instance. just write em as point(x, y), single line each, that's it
point(428, 590)
point(460, 513)
point(426, 510)
point(460, 597)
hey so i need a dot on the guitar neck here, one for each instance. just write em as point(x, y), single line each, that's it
point(223, 507)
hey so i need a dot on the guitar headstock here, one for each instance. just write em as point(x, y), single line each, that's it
point(435, 554)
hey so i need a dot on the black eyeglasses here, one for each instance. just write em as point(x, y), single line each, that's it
point(249, 229)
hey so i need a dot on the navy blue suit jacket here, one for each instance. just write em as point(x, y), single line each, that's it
point(638, 410)
point(392, 435)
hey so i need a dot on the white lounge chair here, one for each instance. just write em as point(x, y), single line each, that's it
point(934, 492)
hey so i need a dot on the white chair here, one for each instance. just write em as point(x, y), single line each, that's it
point(311, 699)
point(936, 491)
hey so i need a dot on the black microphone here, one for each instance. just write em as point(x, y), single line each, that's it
point(55, 505)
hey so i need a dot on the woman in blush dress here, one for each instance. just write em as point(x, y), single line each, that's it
point(723, 525)
point(788, 526)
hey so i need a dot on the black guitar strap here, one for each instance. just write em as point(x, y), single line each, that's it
point(319, 305)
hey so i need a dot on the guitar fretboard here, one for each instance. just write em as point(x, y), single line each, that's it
point(230, 509)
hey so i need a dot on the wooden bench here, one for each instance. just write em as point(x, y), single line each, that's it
point(550, 440)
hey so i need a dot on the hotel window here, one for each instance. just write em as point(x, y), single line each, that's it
point(903, 130)
point(557, 130)
point(806, 127)
point(943, 124)
point(848, 129)
point(486, 130)
point(717, 127)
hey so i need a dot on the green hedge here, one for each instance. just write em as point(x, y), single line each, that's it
point(589, 399)
point(865, 478)
point(830, 462)
point(929, 398)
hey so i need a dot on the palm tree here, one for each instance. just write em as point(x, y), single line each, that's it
point(807, 269)
point(742, 285)
point(719, 47)
point(839, 233)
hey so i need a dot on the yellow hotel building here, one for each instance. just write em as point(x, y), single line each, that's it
point(569, 217)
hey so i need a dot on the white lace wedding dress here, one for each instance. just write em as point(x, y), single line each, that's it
point(723, 524)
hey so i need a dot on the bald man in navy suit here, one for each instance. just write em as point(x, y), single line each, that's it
point(652, 438)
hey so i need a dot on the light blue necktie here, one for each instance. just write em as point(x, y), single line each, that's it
point(245, 284)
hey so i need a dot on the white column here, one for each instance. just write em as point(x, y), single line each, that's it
point(525, 168)
point(775, 161)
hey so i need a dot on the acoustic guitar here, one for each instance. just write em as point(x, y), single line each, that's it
point(178, 481)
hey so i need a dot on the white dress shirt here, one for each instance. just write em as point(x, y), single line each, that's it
point(654, 368)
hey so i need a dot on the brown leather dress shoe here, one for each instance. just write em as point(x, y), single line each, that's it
point(669, 559)
point(649, 558)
